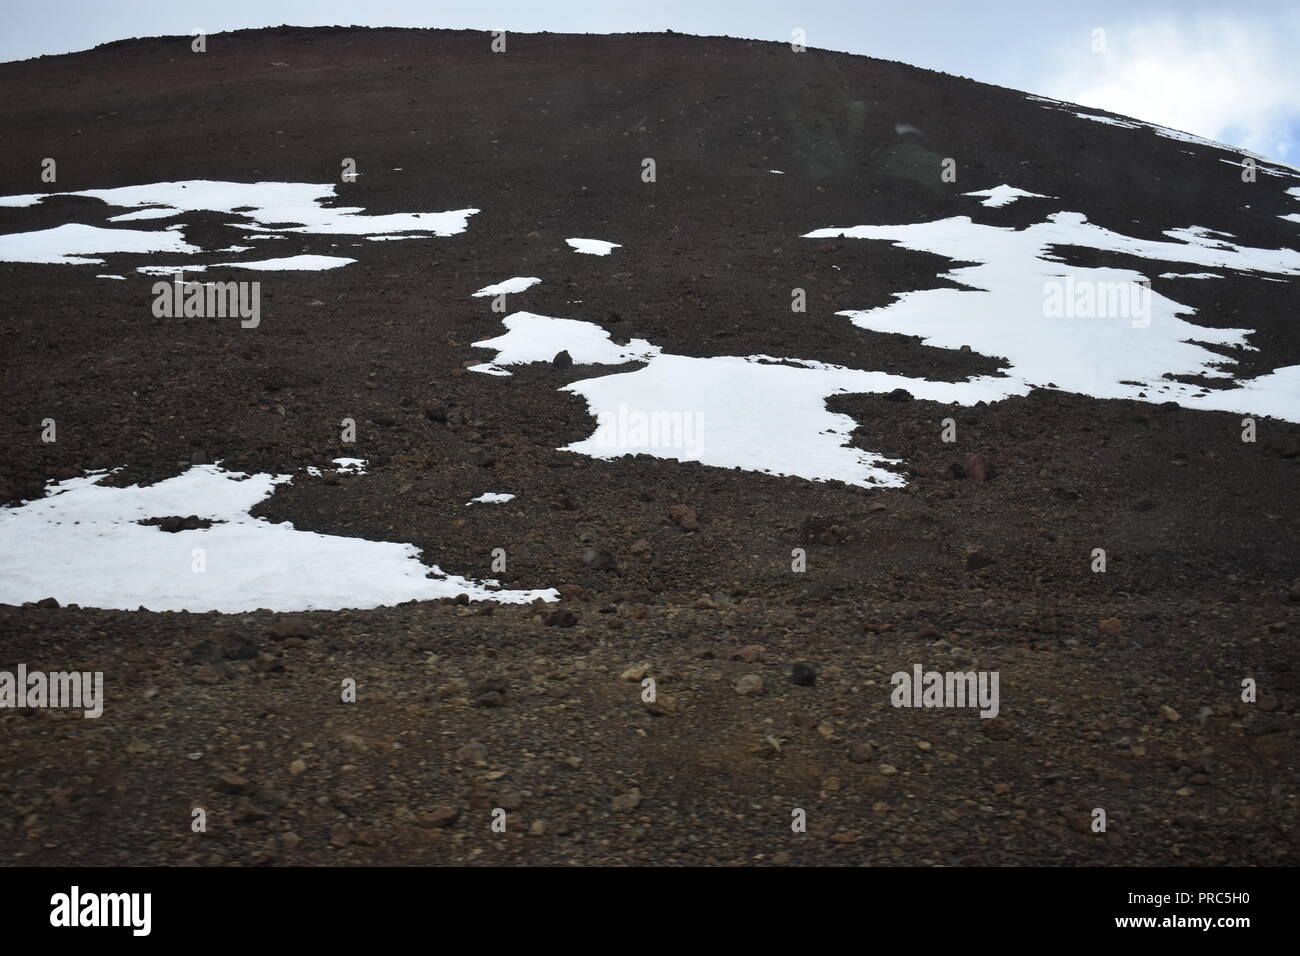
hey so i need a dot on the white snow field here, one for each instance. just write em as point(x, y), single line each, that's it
point(1004, 309)
point(753, 412)
point(83, 544)
point(509, 286)
point(1055, 324)
point(1276, 168)
point(77, 244)
point(593, 247)
point(275, 209)
point(1004, 195)
point(1294, 192)
point(490, 498)
point(303, 263)
point(534, 338)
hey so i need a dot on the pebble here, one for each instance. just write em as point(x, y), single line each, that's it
point(626, 802)
point(861, 752)
point(803, 674)
point(684, 517)
point(749, 684)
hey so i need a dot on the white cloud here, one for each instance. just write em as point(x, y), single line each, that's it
point(1225, 78)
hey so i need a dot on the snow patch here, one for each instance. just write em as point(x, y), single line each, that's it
point(490, 498)
point(594, 247)
point(539, 338)
point(84, 544)
point(1003, 312)
point(72, 242)
point(508, 286)
point(1005, 195)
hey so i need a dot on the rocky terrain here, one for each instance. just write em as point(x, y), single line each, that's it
point(1119, 690)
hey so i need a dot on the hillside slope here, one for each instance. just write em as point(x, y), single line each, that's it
point(1120, 690)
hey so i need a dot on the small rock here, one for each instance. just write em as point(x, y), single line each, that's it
point(995, 728)
point(598, 559)
point(626, 802)
point(803, 674)
point(233, 783)
point(207, 674)
point(861, 752)
point(749, 684)
point(290, 627)
point(474, 753)
point(684, 517)
point(978, 468)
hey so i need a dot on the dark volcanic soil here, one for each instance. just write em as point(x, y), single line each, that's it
point(1119, 690)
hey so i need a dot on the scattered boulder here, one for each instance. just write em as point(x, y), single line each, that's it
point(978, 468)
point(749, 685)
point(626, 802)
point(684, 517)
point(599, 559)
point(290, 626)
point(803, 674)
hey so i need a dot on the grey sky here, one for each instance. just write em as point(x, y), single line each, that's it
point(1227, 71)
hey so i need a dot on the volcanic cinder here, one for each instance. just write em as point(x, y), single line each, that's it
point(879, 372)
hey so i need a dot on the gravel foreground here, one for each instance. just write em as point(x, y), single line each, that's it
point(1120, 691)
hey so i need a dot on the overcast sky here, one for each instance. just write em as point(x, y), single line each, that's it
point(1229, 71)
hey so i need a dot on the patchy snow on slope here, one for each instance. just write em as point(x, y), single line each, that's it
point(1114, 338)
point(1190, 275)
point(539, 338)
point(1273, 167)
point(1004, 195)
point(84, 544)
point(508, 286)
point(490, 498)
point(593, 247)
point(1294, 192)
point(274, 208)
point(302, 263)
point(155, 213)
point(754, 412)
point(75, 243)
